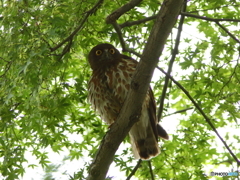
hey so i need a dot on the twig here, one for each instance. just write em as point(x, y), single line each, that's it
point(180, 111)
point(87, 14)
point(119, 12)
point(150, 169)
point(208, 18)
point(134, 169)
point(7, 67)
point(65, 49)
point(131, 23)
point(202, 112)
point(230, 78)
point(174, 54)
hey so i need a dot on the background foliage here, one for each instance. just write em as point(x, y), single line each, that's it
point(44, 75)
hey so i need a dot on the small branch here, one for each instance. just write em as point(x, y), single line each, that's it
point(120, 35)
point(133, 52)
point(150, 169)
point(230, 78)
point(7, 67)
point(229, 161)
point(132, 23)
point(135, 169)
point(65, 49)
point(202, 112)
point(95, 7)
point(87, 14)
point(122, 42)
point(228, 32)
point(174, 54)
point(180, 111)
point(216, 21)
point(208, 18)
point(112, 19)
point(119, 12)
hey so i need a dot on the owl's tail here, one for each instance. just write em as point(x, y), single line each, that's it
point(144, 144)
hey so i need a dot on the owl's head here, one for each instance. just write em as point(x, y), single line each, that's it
point(103, 55)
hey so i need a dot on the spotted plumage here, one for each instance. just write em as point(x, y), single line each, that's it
point(108, 88)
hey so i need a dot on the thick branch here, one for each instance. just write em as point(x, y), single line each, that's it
point(119, 12)
point(202, 113)
point(131, 109)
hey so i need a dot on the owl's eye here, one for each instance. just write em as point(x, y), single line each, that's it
point(98, 52)
point(112, 51)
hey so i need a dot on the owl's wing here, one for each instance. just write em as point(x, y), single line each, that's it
point(157, 128)
point(152, 112)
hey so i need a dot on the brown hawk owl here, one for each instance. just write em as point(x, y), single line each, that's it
point(108, 88)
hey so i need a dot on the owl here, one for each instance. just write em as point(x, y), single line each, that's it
point(108, 87)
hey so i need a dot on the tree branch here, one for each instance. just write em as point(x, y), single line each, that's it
point(174, 54)
point(217, 22)
point(180, 111)
point(132, 23)
point(230, 78)
point(202, 112)
point(112, 19)
point(122, 42)
point(131, 109)
point(228, 32)
point(87, 14)
point(208, 18)
point(150, 169)
point(120, 36)
point(135, 169)
point(7, 67)
point(119, 12)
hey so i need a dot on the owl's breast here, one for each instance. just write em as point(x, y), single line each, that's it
point(108, 89)
point(118, 81)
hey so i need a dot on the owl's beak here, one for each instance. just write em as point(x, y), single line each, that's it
point(106, 55)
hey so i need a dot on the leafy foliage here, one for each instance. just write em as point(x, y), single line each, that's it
point(43, 86)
